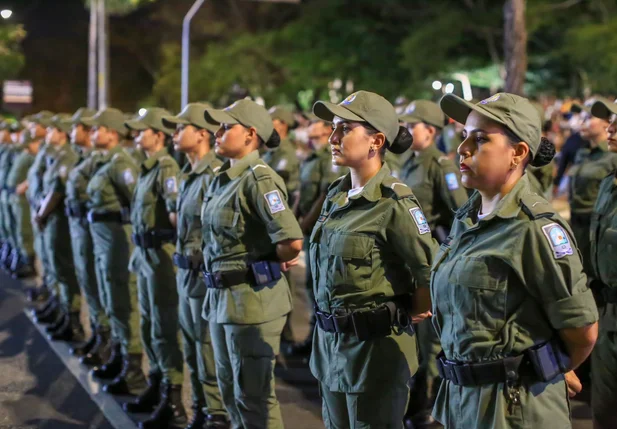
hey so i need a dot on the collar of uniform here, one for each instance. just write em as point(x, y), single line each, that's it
point(428, 153)
point(509, 206)
point(603, 147)
point(151, 161)
point(234, 171)
point(203, 163)
point(371, 191)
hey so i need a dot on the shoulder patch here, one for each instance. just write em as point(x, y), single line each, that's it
point(558, 240)
point(275, 203)
point(452, 181)
point(420, 220)
point(128, 176)
point(281, 165)
point(171, 185)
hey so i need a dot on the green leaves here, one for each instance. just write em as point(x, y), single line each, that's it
point(11, 57)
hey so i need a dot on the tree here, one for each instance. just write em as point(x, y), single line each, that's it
point(515, 45)
point(11, 56)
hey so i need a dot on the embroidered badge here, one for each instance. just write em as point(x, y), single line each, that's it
point(281, 165)
point(349, 99)
point(558, 239)
point(275, 203)
point(410, 109)
point(228, 108)
point(171, 185)
point(490, 99)
point(128, 177)
point(420, 220)
point(452, 181)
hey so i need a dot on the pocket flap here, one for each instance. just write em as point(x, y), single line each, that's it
point(479, 272)
point(225, 217)
point(356, 246)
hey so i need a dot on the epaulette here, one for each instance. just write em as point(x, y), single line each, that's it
point(260, 169)
point(536, 207)
point(166, 161)
point(443, 159)
point(397, 188)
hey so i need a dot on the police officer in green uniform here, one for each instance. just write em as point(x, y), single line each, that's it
point(54, 225)
point(591, 166)
point(510, 300)
point(6, 158)
point(23, 261)
point(435, 181)
point(81, 239)
point(603, 246)
point(249, 235)
point(193, 137)
point(109, 191)
point(284, 161)
point(153, 217)
point(371, 251)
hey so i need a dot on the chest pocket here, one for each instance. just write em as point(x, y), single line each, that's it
point(351, 262)
point(99, 188)
point(224, 223)
point(479, 292)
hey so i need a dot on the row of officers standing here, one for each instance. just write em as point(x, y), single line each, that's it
point(207, 250)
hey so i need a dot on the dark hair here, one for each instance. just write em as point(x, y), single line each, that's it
point(273, 142)
point(401, 143)
point(545, 153)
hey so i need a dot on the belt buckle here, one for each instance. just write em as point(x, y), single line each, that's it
point(218, 280)
point(451, 374)
point(208, 279)
point(89, 216)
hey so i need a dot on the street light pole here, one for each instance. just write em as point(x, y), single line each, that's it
point(186, 46)
point(92, 84)
point(103, 72)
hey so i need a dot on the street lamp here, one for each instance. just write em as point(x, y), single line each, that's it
point(436, 85)
point(449, 88)
point(6, 14)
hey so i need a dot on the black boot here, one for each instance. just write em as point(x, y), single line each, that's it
point(110, 369)
point(71, 331)
point(38, 294)
point(23, 267)
point(100, 351)
point(45, 308)
point(5, 256)
point(84, 348)
point(58, 325)
point(50, 315)
point(130, 380)
point(199, 417)
point(216, 422)
point(169, 412)
point(148, 399)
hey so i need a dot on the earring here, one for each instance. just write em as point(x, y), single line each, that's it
point(372, 149)
point(514, 165)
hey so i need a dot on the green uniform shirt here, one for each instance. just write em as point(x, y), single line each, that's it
point(244, 215)
point(396, 161)
point(155, 194)
point(19, 171)
point(35, 177)
point(541, 179)
point(113, 181)
point(604, 243)
point(60, 162)
point(365, 250)
point(436, 183)
point(316, 175)
point(284, 161)
point(77, 183)
point(499, 286)
point(592, 165)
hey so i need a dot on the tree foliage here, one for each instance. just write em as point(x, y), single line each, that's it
point(11, 57)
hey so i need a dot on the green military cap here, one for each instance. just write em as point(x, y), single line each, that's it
point(539, 108)
point(26, 138)
point(282, 114)
point(512, 111)
point(82, 112)
point(62, 121)
point(244, 112)
point(363, 106)
point(192, 114)
point(43, 118)
point(16, 126)
point(424, 111)
point(603, 108)
point(110, 118)
point(151, 118)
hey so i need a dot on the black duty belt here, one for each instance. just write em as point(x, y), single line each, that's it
point(104, 217)
point(260, 273)
point(194, 262)
point(76, 209)
point(154, 238)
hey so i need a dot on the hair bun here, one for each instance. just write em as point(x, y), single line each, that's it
point(545, 154)
point(274, 140)
point(402, 142)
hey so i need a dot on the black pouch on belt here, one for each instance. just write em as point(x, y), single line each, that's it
point(373, 323)
point(549, 360)
point(266, 272)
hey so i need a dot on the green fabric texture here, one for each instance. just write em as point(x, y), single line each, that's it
point(192, 114)
point(425, 111)
point(152, 118)
point(501, 285)
point(109, 118)
point(245, 112)
point(284, 161)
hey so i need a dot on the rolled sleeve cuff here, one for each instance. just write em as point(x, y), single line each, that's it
point(575, 311)
point(279, 233)
point(423, 277)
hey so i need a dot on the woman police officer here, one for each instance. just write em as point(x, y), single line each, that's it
point(370, 246)
point(510, 301)
point(603, 239)
point(249, 235)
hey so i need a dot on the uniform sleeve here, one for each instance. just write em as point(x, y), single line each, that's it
point(409, 235)
point(449, 184)
point(269, 200)
point(124, 177)
point(553, 274)
point(61, 175)
point(168, 184)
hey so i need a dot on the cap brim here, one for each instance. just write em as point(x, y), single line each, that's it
point(327, 111)
point(172, 121)
point(603, 110)
point(410, 119)
point(217, 117)
point(459, 109)
point(136, 125)
point(88, 122)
